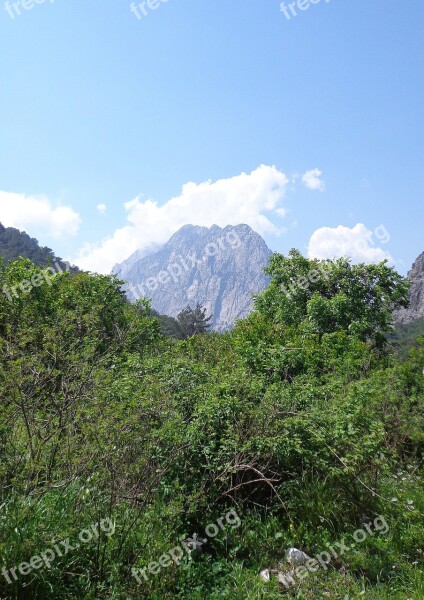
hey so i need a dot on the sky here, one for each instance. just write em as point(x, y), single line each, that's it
point(118, 125)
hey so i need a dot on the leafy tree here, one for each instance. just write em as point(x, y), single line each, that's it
point(56, 340)
point(193, 321)
point(322, 297)
point(169, 326)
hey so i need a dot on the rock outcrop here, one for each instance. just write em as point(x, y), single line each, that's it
point(221, 269)
point(416, 294)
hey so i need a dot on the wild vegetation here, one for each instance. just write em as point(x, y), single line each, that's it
point(405, 336)
point(301, 420)
point(189, 322)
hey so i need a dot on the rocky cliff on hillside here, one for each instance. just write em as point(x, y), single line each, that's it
point(416, 294)
point(218, 268)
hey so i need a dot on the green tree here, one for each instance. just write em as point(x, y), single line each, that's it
point(168, 325)
point(322, 297)
point(193, 321)
point(57, 341)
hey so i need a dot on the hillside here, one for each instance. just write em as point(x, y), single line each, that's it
point(15, 244)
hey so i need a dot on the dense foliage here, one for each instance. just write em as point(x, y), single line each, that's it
point(189, 322)
point(300, 419)
point(405, 336)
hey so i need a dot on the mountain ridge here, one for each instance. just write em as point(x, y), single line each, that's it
point(15, 244)
point(219, 268)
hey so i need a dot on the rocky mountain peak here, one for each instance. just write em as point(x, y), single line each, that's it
point(219, 268)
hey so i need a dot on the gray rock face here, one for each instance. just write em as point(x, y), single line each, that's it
point(122, 269)
point(218, 268)
point(416, 294)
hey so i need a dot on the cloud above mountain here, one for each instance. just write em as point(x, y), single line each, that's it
point(253, 198)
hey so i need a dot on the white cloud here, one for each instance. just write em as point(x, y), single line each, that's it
point(37, 216)
point(102, 208)
point(244, 198)
point(312, 180)
point(336, 242)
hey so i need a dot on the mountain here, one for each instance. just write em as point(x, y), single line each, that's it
point(416, 294)
point(121, 269)
point(15, 243)
point(217, 268)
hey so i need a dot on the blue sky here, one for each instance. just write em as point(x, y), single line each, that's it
point(98, 107)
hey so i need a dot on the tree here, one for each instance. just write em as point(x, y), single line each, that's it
point(169, 326)
point(193, 321)
point(57, 341)
point(324, 297)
